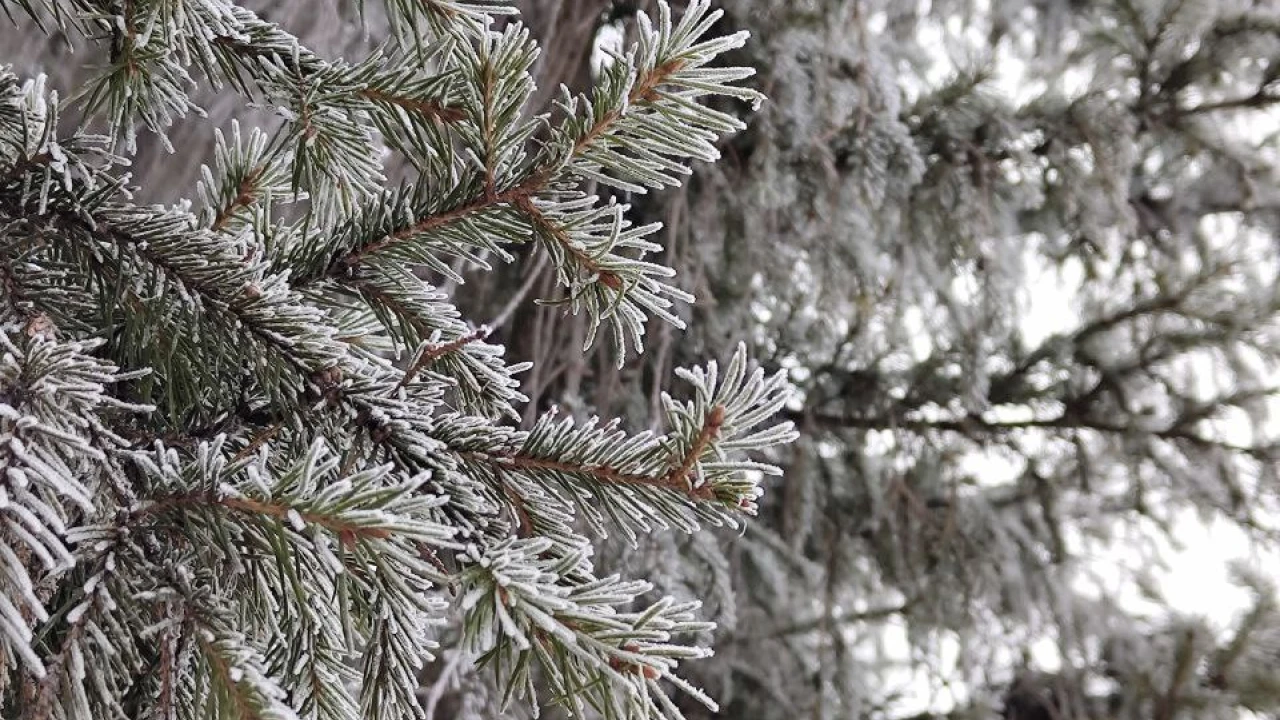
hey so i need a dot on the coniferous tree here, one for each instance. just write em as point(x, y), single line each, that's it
point(929, 184)
point(254, 463)
point(1020, 259)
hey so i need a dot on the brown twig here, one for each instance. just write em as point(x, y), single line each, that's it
point(677, 478)
point(602, 473)
point(557, 233)
point(428, 108)
point(431, 222)
point(679, 475)
point(256, 443)
point(219, 667)
point(431, 354)
point(244, 196)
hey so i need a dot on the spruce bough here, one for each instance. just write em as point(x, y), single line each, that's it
point(251, 458)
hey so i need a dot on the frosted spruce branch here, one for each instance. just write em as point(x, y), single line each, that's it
point(504, 198)
point(301, 464)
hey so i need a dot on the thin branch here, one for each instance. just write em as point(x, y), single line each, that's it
point(41, 706)
point(561, 237)
point(431, 354)
point(72, 222)
point(676, 478)
point(437, 689)
point(220, 669)
point(973, 424)
point(427, 108)
point(599, 473)
point(1184, 661)
point(51, 683)
point(1258, 100)
point(518, 297)
point(346, 531)
point(430, 222)
point(679, 475)
point(526, 528)
point(244, 197)
point(257, 442)
point(170, 646)
point(853, 616)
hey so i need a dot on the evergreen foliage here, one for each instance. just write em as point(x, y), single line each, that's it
point(1020, 259)
point(254, 464)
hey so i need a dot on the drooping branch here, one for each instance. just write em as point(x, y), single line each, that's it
point(974, 425)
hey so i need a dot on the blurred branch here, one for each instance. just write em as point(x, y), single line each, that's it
point(974, 425)
point(854, 616)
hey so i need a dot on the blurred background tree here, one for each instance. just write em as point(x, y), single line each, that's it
point(1021, 260)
